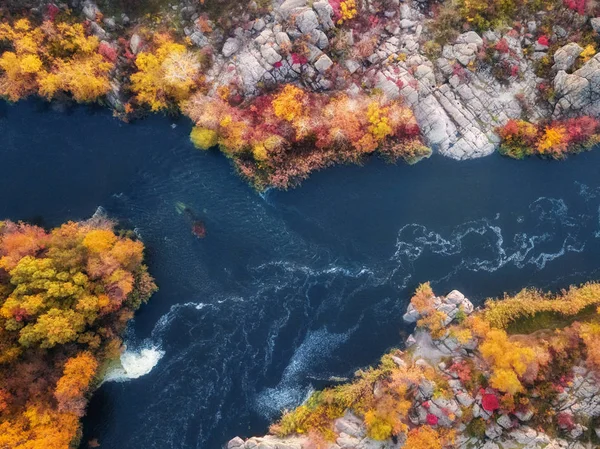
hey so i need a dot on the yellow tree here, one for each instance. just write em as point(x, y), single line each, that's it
point(169, 74)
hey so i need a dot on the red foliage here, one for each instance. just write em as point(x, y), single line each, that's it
point(298, 59)
point(582, 128)
point(335, 5)
point(565, 421)
point(490, 402)
point(576, 5)
point(543, 40)
point(502, 46)
point(462, 370)
point(106, 50)
point(277, 65)
point(51, 12)
point(432, 420)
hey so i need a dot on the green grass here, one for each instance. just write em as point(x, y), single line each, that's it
point(550, 320)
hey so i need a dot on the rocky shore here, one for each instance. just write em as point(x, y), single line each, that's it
point(441, 396)
point(455, 90)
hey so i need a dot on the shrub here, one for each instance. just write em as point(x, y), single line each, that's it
point(557, 139)
point(203, 138)
point(279, 139)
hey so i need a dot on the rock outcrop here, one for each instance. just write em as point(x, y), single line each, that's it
point(576, 404)
point(456, 94)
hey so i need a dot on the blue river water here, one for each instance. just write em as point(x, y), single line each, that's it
point(288, 288)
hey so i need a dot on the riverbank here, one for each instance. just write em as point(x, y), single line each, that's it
point(520, 372)
point(459, 74)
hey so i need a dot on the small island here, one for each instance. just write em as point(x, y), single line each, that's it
point(521, 372)
point(66, 296)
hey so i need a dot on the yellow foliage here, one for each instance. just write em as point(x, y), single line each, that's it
point(463, 335)
point(260, 152)
point(553, 139)
point(590, 334)
point(99, 240)
point(422, 300)
point(380, 127)
point(50, 59)
point(347, 11)
point(168, 75)
point(588, 52)
point(288, 103)
point(377, 427)
point(508, 360)
point(30, 64)
point(86, 78)
point(203, 138)
point(528, 303)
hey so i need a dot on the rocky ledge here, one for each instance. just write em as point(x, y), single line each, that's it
point(457, 93)
point(438, 373)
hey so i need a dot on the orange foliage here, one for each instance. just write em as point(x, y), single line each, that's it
point(72, 386)
point(72, 290)
point(520, 138)
point(278, 140)
point(423, 438)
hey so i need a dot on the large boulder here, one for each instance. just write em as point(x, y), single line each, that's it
point(307, 21)
point(565, 57)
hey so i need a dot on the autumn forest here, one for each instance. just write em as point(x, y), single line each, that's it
point(65, 298)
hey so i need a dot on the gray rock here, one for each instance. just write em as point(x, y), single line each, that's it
point(465, 52)
point(270, 55)
point(565, 57)
point(110, 23)
point(135, 43)
point(235, 443)
point(505, 422)
point(283, 40)
point(411, 315)
point(398, 361)
point(470, 37)
point(595, 22)
point(325, 11)
point(320, 39)
point(465, 399)
point(199, 39)
point(90, 10)
point(289, 5)
point(524, 416)
point(307, 21)
point(493, 431)
point(97, 30)
point(350, 424)
point(231, 46)
point(259, 25)
point(250, 71)
point(352, 65)
point(406, 23)
point(323, 64)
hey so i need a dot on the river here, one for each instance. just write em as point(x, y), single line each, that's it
point(288, 288)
